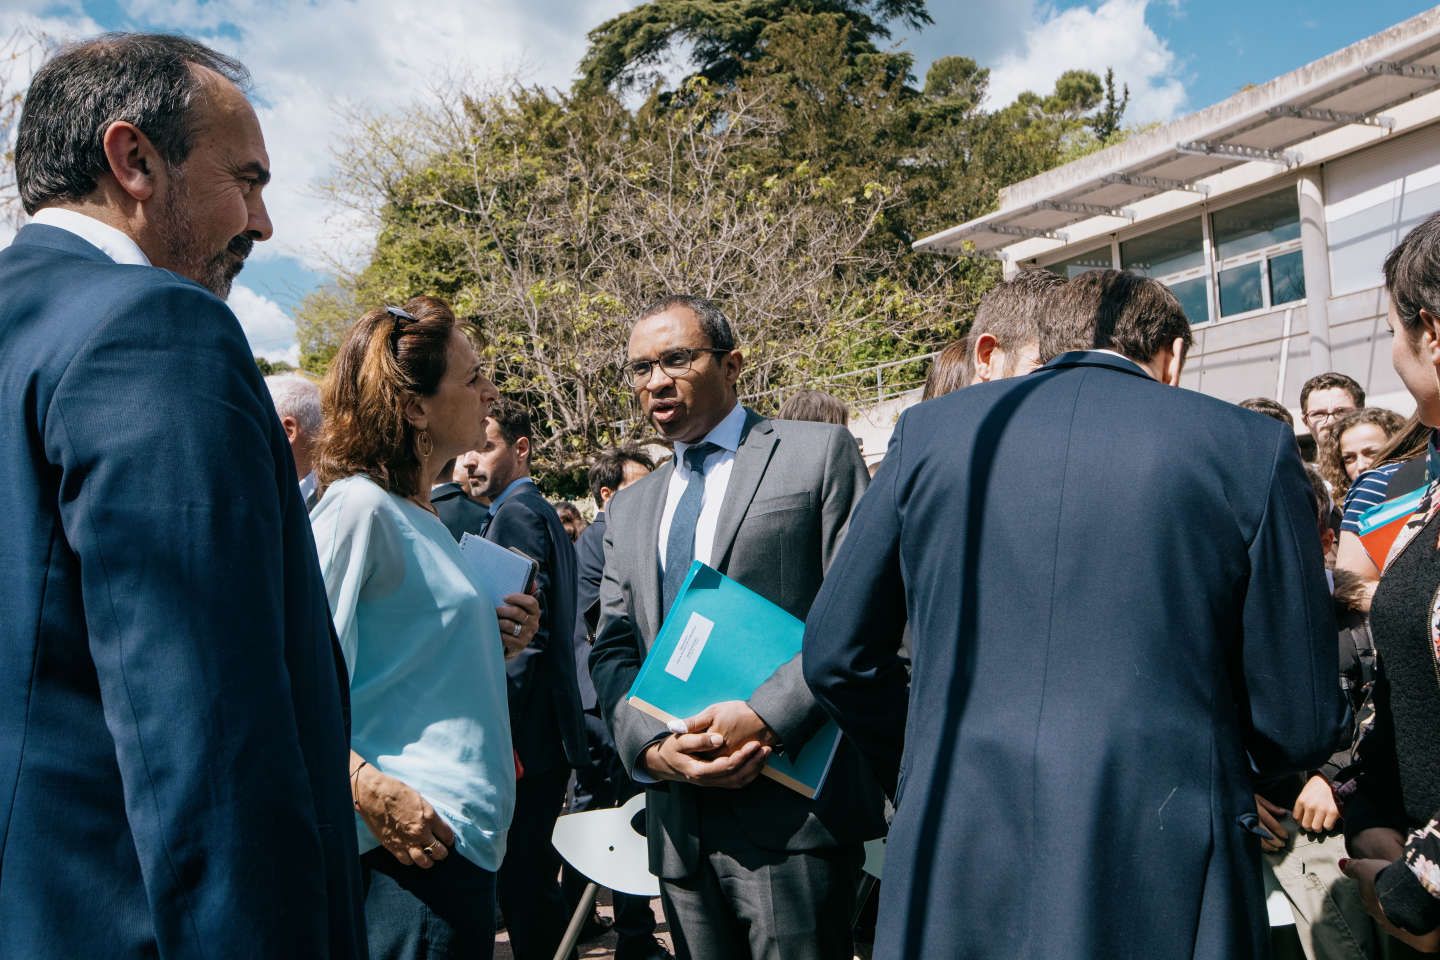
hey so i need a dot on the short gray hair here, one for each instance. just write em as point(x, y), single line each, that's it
point(298, 397)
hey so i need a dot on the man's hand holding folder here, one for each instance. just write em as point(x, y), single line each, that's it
point(725, 745)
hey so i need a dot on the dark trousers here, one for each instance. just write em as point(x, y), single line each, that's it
point(447, 911)
point(746, 902)
point(529, 878)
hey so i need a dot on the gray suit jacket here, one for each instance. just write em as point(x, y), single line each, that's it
point(791, 491)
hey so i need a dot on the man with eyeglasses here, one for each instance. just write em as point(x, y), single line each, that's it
point(1326, 398)
point(747, 868)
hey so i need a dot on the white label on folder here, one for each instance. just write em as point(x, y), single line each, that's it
point(691, 645)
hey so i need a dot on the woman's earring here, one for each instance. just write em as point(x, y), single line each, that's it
point(424, 446)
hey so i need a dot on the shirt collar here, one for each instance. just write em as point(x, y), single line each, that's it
point(307, 484)
point(113, 243)
point(725, 434)
point(515, 484)
point(1115, 353)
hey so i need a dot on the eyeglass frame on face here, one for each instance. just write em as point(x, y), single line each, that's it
point(675, 370)
point(1327, 416)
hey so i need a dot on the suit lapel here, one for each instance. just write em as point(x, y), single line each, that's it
point(757, 443)
point(648, 548)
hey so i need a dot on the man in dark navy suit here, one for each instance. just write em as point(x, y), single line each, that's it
point(173, 707)
point(545, 720)
point(1118, 606)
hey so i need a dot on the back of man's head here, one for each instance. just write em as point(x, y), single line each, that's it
point(816, 406)
point(148, 80)
point(607, 472)
point(512, 419)
point(1132, 315)
point(950, 370)
point(1270, 408)
point(1013, 312)
point(297, 397)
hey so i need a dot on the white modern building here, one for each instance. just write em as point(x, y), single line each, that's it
point(1268, 214)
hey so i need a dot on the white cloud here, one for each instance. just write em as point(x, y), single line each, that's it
point(269, 329)
point(310, 60)
point(1113, 34)
point(311, 57)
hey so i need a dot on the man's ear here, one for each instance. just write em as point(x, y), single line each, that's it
point(987, 364)
point(1174, 364)
point(733, 363)
point(292, 428)
point(134, 162)
point(522, 449)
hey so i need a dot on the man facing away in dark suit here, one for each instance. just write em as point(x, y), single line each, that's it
point(545, 720)
point(747, 867)
point(603, 782)
point(1117, 606)
point(173, 706)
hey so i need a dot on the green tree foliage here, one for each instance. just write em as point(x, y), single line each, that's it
point(1106, 122)
point(724, 36)
point(787, 177)
point(269, 367)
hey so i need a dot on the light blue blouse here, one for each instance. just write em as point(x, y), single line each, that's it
point(427, 672)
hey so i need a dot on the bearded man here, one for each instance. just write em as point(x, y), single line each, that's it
point(173, 707)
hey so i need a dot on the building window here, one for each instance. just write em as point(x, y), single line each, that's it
point(1174, 255)
point(1287, 278)
point(1257, 253)
point(1097, 259)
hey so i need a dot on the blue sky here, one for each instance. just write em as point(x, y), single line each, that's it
point(311, 58)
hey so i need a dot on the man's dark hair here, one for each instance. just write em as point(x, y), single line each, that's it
point(1332, 381)
point(512, 420)
point(712, 319)
point(1270, 408)
point(1412, 273)
point(816, 406)
point(1115, 310)
point(1012, 312)
point(145, 79)
point(608, 470)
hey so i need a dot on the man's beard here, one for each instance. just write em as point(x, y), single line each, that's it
point(183, 247)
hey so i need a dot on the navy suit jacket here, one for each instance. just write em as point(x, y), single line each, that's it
point(459, 513)
point(590, 568)
point(545, 719)
point(1118, 602)
point(173, 707)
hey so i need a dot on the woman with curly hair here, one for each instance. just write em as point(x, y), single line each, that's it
point(1354, 444)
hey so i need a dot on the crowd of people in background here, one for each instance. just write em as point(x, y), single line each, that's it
point(1102, 650)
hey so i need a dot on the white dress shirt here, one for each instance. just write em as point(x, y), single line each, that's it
point(726, 436)
point(308, 483)
point(111, 242)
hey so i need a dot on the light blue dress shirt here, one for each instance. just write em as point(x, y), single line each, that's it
point(427, 673)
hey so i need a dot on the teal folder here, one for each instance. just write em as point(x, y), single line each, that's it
point(720, 642)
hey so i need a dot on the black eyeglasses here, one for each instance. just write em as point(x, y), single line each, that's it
point(674, 363)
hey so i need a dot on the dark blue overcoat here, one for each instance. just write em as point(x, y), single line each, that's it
point(1117, 599)
point(173, 714)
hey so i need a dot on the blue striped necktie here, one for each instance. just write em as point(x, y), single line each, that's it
point(680, 544)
